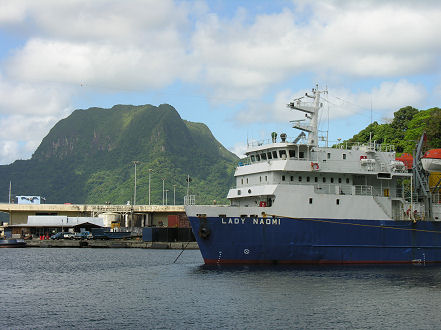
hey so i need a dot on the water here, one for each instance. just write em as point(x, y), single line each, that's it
point(141, 288)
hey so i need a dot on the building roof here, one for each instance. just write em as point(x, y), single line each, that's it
point(60, 221)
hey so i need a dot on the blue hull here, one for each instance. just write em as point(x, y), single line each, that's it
point(294, 240)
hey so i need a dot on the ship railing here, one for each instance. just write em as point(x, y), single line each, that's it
point(360, 190)
point(190, 200)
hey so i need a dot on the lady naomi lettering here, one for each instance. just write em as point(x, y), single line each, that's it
point(254, 221)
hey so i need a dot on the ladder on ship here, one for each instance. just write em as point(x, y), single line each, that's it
point(420, 178)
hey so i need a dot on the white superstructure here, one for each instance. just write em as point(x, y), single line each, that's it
point(298, 178)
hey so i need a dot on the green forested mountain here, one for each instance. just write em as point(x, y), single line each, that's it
point(405, 129)
point(88, 158)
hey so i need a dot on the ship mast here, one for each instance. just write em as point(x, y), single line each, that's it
point(311, 113)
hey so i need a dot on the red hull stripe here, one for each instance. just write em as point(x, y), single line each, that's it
point(311, 262)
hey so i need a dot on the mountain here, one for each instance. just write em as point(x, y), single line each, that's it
point(89, 157)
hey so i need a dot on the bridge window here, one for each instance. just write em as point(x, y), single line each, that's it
point(347, 180)
point(300, 179)
point(283, 178)
point(270, 156)
point(301, 154)
point(307, 179)
point(292, 153)
point(258, 158)
point(263, 156)
point(329, 155)
point(332, 180)
point(315, 179)
point(282, 154)
point(344, 156)
point(337, 201)
point(310, 201)
point(253, 158)
point(339, 180)
point(275, 154)
point(292, 178)
point(324, 179)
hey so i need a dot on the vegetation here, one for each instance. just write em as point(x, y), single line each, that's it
point(405, 129)
point(88, 158)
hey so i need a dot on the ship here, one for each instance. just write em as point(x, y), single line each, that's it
point(299, 202)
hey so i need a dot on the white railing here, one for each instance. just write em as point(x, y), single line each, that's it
point(189, 200)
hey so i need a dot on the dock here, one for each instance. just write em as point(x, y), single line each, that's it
point(36, 243)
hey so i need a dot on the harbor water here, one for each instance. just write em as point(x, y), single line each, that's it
point(144, 289)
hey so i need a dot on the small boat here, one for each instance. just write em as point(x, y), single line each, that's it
point(12, 243)
point(431, 160)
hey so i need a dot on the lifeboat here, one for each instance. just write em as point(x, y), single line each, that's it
point(432, 160)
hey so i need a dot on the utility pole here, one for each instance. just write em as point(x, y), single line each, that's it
point(134, 193)
point(150, 171)
point(163, 190)
point(174, 194)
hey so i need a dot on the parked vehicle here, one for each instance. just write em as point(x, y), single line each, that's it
point(83, 235)
point(63, 235)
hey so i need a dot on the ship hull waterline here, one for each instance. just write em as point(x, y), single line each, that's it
point(316, 241)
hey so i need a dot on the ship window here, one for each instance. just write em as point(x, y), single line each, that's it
point(301, 154)
point(238, 191)
point(263, 156)
point(292, 153)
point(347, 180)
point(300, 179)
point(275, 154)
point(241, 181)
point(282, 153)
point(253, 158)
point(266, 178)
point(258, 158)
point(270, 156)
point(292, 178)
point(329, 155)
point(310, 201)
point(344, 156)
point(324, 179)
point(337, 201)
point(339, 180)
point(307, 179)
point(332, 180)
point(222, 215)
point(247, 180)
point(283, 178)
point(316, 179)
point(260, 178)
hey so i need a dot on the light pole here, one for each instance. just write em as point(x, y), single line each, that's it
point(174, 194)
point(163, 193)
point(134, 193)
point(166, 200)
point(150, 171)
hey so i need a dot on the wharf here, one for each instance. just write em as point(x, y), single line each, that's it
point(110, 244)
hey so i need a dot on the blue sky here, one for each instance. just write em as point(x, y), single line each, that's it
point(233, 65)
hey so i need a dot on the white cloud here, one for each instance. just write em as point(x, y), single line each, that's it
point(386, 98)
point(239, 149)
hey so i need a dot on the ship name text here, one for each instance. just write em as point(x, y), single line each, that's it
point(255, 221)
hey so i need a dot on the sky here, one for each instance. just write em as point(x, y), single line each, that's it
point(232, 65)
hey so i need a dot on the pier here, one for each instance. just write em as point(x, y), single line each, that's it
point(133, 215)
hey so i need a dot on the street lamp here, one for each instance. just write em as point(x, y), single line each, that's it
point(150, 170)
point(174, 194)
point(166, 191)
point(134, 193)
point(163, 193)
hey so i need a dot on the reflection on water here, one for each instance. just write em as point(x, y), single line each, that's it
point(136, 288)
